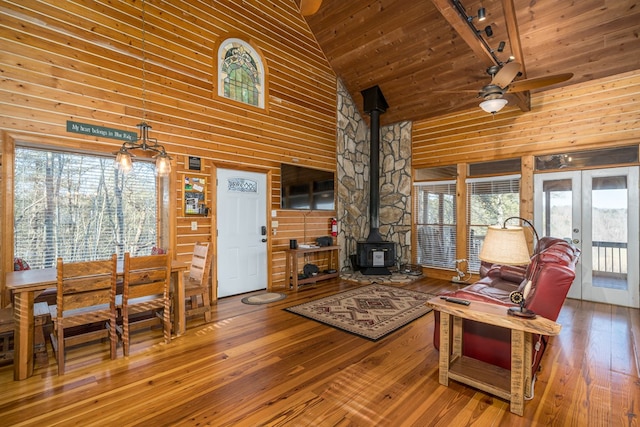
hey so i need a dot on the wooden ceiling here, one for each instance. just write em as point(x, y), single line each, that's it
point(421, 52)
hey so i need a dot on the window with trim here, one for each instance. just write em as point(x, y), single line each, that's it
point(79, 207)
point(240, 73)
point(435, 218)
point(490, 201)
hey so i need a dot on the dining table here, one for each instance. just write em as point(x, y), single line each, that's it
point(26, 285)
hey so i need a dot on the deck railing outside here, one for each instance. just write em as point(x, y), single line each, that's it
point(609, 258)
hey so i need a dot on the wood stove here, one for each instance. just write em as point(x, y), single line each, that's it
point(374, 258)
point(375, 255)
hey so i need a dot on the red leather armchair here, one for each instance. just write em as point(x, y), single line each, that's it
point(552, 271)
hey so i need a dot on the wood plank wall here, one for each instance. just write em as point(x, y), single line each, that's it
point(596, 114)
point(73, 60)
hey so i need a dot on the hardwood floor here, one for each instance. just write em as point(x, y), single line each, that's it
point(260, 365)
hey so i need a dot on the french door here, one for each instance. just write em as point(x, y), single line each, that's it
point(598, 211)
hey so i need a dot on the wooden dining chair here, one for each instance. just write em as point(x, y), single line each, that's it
point(145, 295)
point(197, 282)
point(86, 293)
point(41, 321)
point(7, 326)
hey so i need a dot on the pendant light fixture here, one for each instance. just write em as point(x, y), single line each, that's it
point(123, 160)
point(493, 105)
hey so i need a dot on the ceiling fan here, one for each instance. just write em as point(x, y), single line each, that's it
point(502, 82)
point(309, 7)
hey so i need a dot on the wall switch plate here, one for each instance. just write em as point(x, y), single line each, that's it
point(274, 224)
point(194, 225)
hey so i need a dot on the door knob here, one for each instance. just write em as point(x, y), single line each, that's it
point(576, 241)
point(264, 240)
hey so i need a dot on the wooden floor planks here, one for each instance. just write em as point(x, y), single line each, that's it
point(260, 365)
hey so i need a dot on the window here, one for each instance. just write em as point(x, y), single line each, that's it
point(490, 201)
point(587, 159)
point(79, 207)
point(241, 73)
point(435, 204)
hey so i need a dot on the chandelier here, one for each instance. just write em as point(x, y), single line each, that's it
point(123, 159)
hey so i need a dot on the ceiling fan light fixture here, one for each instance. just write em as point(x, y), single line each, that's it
point(493, 105)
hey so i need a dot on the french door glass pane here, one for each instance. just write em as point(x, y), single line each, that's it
point(557, 208)
point(609, 232)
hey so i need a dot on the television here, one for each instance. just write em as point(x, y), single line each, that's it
point(306, 188)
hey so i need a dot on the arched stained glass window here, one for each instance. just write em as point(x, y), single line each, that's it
point(240, 73)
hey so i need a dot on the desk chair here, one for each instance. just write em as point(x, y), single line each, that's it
point(86, 293)
point(145, 291)
point(197, 282)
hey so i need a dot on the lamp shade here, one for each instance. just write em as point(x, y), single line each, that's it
point(123, 161)
point(507, 246)
point(493, 105)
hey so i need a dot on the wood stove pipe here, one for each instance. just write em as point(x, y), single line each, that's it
point(374, 105)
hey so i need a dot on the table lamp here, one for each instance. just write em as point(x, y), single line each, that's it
point(507, 245)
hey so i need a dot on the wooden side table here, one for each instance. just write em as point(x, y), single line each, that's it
point(292, 266)
point(509, 385)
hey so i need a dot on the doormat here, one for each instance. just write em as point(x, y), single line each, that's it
point(371, 312)
point(264, 298)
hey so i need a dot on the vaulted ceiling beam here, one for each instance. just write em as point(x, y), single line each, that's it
point(453, 17)
point(523, 99)
point(467, 32)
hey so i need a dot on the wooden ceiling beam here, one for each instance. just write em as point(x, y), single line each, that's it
point(482, 50)
point(523, 99)
point(449, 12)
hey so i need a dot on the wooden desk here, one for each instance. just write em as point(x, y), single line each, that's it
point(510, 385)
point(26, 285)
point(292, 266)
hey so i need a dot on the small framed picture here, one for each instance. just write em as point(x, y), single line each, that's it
point(195, 163)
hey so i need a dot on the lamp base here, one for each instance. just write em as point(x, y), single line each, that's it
point(518, 312)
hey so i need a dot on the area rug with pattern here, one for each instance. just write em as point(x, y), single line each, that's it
point(371, 312)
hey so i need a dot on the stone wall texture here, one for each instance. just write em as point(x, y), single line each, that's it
point(353, 151)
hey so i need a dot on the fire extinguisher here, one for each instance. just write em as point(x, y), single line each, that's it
point(334, 227)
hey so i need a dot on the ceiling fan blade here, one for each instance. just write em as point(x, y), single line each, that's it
point(538, 82)
point(506, 74)
point(309, 7)
point(457, 91)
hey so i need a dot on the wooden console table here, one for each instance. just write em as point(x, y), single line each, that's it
point(510, 385)
point(292, 266)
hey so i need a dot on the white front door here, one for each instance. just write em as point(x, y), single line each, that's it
point(241, 208)
point(598, 211)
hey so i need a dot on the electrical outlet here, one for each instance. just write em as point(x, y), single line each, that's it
point(194, 225)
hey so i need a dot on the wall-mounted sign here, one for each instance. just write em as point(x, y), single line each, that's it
point(194, 163)
point(104, 132)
